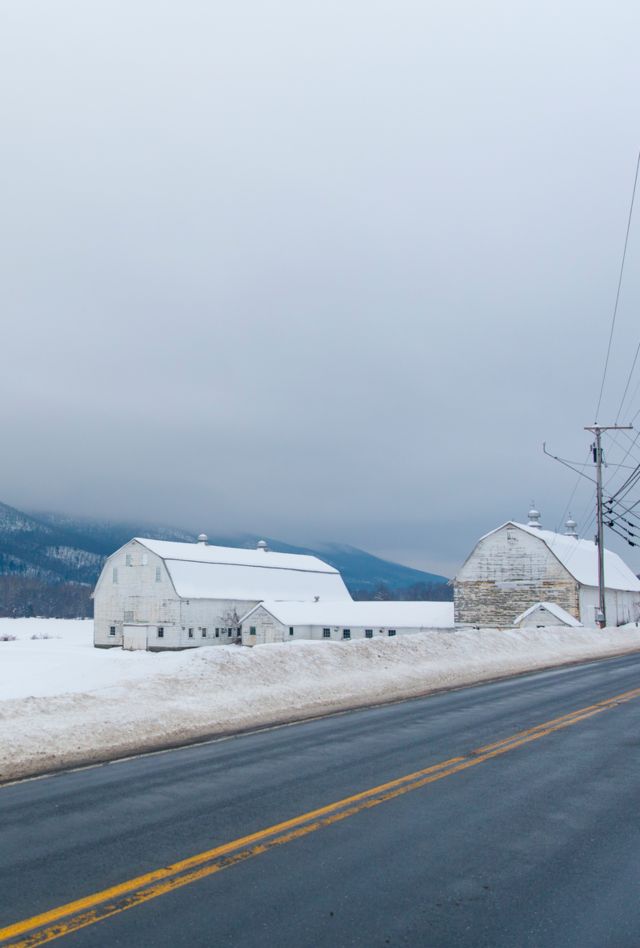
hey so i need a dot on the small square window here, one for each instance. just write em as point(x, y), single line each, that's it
point(392, 631)
point(160, 631)
point(128, 615)
point(112, 630)
point(346, 633)
point(252, 630)
point(368, 633)
point(326, 633)
point(290, 630)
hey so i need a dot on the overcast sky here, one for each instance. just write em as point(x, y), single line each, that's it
point(314, 270)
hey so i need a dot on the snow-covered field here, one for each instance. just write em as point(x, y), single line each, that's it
point(62, 702)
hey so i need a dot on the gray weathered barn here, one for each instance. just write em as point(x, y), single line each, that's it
point(517, 566)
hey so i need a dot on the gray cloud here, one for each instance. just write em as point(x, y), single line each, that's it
point(317, 270)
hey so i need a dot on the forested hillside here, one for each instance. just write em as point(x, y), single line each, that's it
point(49, 563)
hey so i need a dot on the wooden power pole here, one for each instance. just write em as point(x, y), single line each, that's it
point(601, 615)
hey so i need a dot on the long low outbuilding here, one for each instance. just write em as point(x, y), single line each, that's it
point(273, 621)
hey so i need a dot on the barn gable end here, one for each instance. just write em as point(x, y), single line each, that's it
point(508, 571)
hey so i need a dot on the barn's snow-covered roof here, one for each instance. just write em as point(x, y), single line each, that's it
point(199, 571)
point(580, 558)
point(554, 609)
point(401, 615)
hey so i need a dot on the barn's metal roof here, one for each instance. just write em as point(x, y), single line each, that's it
point(580, 558)
point(219, 572)
point(397, 614)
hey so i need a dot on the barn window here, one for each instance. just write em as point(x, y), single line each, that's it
point(145, 559)
point(128, 560)
point(346, 633)
point(326, 633)
point(128, 615)
point(368, 633)
point(229, 631)
point(158, 574)
point(290, 630)
point(217, 633)
point(204, 633)
point(190, 633)
point(392, 631)
point(115, 574)
point(160, 631)
point(112, 630)
point(252, 630)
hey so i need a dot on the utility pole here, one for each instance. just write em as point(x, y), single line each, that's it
point(601, 615)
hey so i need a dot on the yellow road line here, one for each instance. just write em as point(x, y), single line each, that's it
point(600, 705)
point(115, 899)
point(185, 864)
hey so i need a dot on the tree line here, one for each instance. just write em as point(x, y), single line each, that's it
point(417, 592)
point(23, 597)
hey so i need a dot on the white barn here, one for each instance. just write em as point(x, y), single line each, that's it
point(518, 565)
point(323, 620)
point(157, 595)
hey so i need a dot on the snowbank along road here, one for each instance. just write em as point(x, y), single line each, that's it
point(64, 703)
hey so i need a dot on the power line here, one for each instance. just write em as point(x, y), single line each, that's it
point(575, 488)
point(615, 308)
point(626, 388)
point(636, 390)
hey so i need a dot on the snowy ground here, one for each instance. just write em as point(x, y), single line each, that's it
point(62, 702)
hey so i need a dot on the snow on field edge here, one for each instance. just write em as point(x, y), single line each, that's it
point(63, 703)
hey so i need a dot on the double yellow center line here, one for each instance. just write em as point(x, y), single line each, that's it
point(111, 901)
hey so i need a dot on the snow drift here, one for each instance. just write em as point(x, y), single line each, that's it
point(64, 703)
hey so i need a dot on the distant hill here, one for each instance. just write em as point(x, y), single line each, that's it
point(45, 558)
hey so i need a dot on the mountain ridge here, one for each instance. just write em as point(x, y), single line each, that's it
point(59, 550)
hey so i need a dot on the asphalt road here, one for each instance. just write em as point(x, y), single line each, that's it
point(534, 841)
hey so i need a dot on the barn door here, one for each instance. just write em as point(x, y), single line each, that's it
point(134, 637)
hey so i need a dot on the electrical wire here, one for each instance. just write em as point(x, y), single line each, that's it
point(615, 308)
point(626, 388)
point(573, 492)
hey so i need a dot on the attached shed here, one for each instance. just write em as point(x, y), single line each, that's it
point(543, 614)
point(336, 621)
point(159, 595)
point(519, 565)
